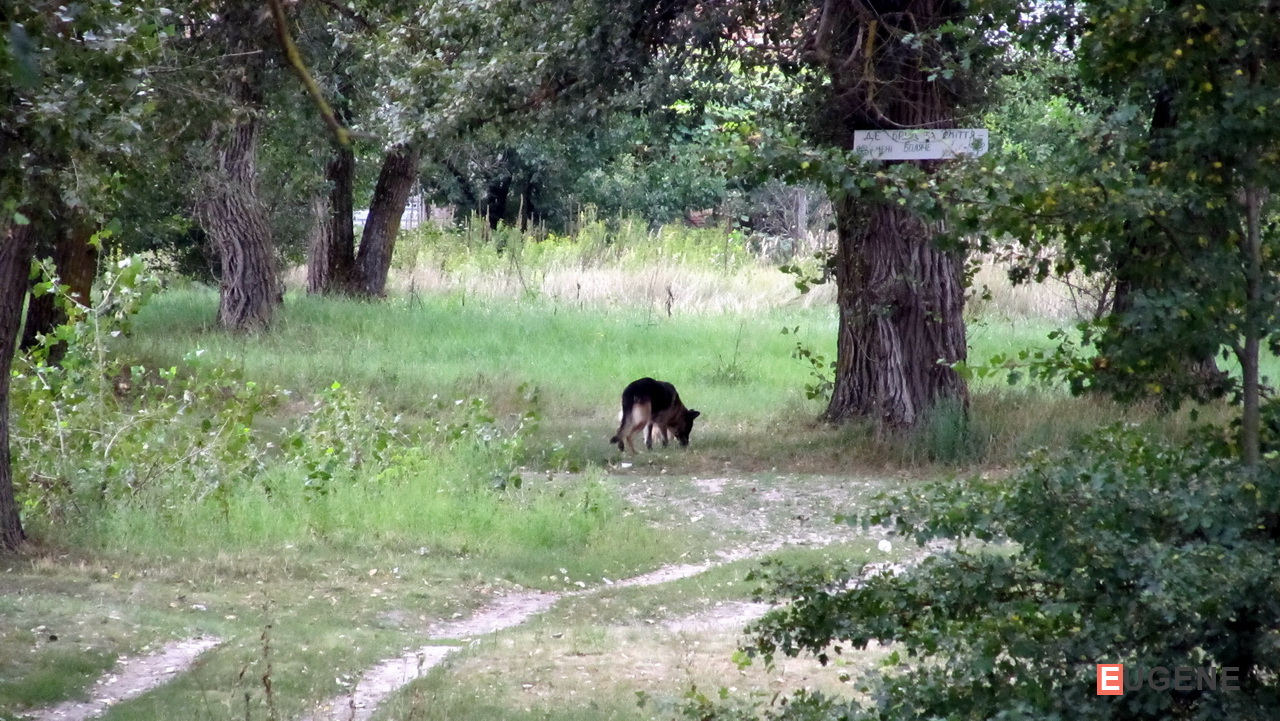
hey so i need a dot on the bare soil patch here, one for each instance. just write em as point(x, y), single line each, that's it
point(132, 676)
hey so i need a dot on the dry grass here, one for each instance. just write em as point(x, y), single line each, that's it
point(664, 286)
point(1051, 300)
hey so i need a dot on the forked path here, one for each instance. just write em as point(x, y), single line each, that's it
point(774, 514)
point(751, 517)
point(390, 675)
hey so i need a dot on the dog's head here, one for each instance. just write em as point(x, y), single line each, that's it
point(684, 426)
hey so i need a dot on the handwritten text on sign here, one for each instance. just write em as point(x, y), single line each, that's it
point(919, 144)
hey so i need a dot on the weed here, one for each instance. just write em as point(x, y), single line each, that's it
point(821, 371)
point(733, 371)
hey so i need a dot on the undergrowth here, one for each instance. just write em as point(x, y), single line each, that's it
point(129, 458)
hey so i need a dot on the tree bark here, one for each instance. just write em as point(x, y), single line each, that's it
point(395, 182)
point(1250, 419)
point(15, 264)
point(901, 303)
point(234, 218)
point(900, 297)
point(331, 256)
point(76, 262)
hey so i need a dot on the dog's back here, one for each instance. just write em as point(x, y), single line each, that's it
point(648, 403)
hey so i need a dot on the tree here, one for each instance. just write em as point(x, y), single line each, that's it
point(1119, 549)
point(880, 65)
point(396, 179)
point(1168, 189)
point(1122, 549)
point(70, 111)
point(74, 257)
point(15, 262)
point(228, 203)
point(453, 72)
point(332, 248)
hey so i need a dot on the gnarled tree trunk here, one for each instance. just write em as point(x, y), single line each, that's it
point(901, 298)
point(15, 264)
point(395, 182)
point(901, 302)
point(234, 218)
point(331, 255)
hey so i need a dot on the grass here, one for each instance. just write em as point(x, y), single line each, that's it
point(407, 352)
point(610, 656)
point(738, 371)
point(521, 535)
point(549, 333)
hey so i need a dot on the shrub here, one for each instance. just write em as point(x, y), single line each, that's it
point(1118, 550)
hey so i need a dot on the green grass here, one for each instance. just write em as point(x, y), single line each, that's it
point(738, 370)
point(339, 579)
point(405, 352)
point(442, 696)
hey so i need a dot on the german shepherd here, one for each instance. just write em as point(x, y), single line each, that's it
point(651, 404)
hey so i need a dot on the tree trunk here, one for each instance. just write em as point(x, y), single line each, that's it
point(15, 264)
point(235, 221)
point(1250, 419)
point(901, 303)
point(901, 298)
point(395, 182)
point(331, 256)
point(76, 262)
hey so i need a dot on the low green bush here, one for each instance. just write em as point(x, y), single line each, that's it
point(1119, 550)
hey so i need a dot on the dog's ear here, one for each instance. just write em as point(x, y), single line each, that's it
point(694, 414)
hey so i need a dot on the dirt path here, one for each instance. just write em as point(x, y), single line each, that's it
point(131, 677)
point(386, 678)
point(751, 517)
point(382, 680)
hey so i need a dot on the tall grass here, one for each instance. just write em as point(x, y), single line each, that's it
point(404, 352)
point(740, 373)
point(425, 504)
point(488, 329)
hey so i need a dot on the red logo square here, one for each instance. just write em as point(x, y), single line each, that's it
point(1110, 679)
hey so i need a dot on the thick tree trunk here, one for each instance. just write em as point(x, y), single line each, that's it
point(15, 264)
point(235, 220)
point(331, 256)
point(76, 261)
point(901, 303)
point(395, 182)
point(901, 298)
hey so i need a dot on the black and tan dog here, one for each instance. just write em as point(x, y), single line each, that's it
point(651, 404)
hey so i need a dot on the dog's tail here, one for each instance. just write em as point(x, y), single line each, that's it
point(627, 402)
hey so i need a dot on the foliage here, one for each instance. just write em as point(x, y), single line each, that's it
point(341, 439)
point(71, 107)
point(495, 443)
point(821, 370)
point(94, 431)
point(1168, 151)
point(1119, 550)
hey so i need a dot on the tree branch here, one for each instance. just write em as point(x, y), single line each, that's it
point(340, 132)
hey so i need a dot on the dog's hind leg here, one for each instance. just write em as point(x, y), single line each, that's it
point(641, 418)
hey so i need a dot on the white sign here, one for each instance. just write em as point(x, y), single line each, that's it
point(919, 144)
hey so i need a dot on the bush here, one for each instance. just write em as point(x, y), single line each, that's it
point(1119, 550)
